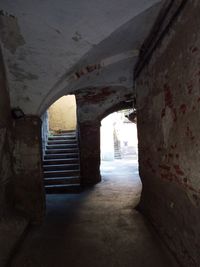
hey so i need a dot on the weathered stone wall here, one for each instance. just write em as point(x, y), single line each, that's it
point(12, 224)
point(6, 145)
point(92, 106)
point(89, 142)
point(168, 103)
point(29, 187)
point(62, 114)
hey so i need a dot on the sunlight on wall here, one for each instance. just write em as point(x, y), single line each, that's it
point(62, 114)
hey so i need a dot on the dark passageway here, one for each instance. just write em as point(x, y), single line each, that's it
point(111, 55)
point(98, 227)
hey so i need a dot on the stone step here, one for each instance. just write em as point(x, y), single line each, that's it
point(61, 151)
point(61, 146)
point(61, 167)
point(117, 154)
point(60, 161)
point(118, 157)
point(61, 164)
point(67, 131)
point(63, 189)
point(62, 142)
point(62, 180)
point(62, 137)
point(61, 173)
point(66, 134)
point(61, 156)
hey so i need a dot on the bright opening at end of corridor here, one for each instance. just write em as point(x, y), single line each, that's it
point(119, 153)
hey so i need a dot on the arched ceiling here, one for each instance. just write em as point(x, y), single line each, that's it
point(53, 47)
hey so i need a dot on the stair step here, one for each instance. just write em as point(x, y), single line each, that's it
point(61, 142)
point(118, 157)
point(63, 189)
point(62, 137)
point(61, 167)
point(61, 156)
point(60, 161)
point(62, 180)
point(61, 146)
point(61, 173)
point(61, 151)
point(61, 164)
point(68, 131)
point(66, 134)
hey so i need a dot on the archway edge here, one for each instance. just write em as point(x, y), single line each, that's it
point(128, 94)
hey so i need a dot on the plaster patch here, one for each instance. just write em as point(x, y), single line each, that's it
point(20, 74)
point(10, 34)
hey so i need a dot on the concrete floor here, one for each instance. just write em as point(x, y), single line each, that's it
point(97, 228)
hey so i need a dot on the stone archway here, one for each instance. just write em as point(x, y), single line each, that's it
point(93, 104)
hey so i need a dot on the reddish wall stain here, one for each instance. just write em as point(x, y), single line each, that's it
point(178, 170)
point(174, 114)
point(189, 133)
point(164, 167)
point(94, 96)
point(168, 96)
point(182, 109)
point(86, 70)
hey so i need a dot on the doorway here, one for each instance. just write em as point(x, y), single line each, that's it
point(119, 153)
point(60, 147)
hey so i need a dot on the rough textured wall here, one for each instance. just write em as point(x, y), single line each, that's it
point(12, 225)
point(168, 99)
point(93, 104)
point(6, 145)
point(89, 138)
point(29, 187)
point(62, 114)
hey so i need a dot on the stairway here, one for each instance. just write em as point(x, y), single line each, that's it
point(61, 164)
point(117, 150)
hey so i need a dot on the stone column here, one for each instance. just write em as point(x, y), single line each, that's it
point(28, 186)
point(89, 144)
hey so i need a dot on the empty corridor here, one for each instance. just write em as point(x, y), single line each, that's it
point(97, 228)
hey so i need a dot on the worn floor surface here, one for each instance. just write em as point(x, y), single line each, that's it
point(97, 228)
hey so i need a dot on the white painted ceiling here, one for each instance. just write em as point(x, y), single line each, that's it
point(46, 42)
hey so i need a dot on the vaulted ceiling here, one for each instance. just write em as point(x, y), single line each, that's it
point(52, 48)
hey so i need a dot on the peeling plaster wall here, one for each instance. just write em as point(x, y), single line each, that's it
point(168, 100)
point(93, 103)
point(46, 44)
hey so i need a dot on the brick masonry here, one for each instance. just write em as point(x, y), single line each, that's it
point(168, 102)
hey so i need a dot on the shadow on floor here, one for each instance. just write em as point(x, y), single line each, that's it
point(96, 228)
